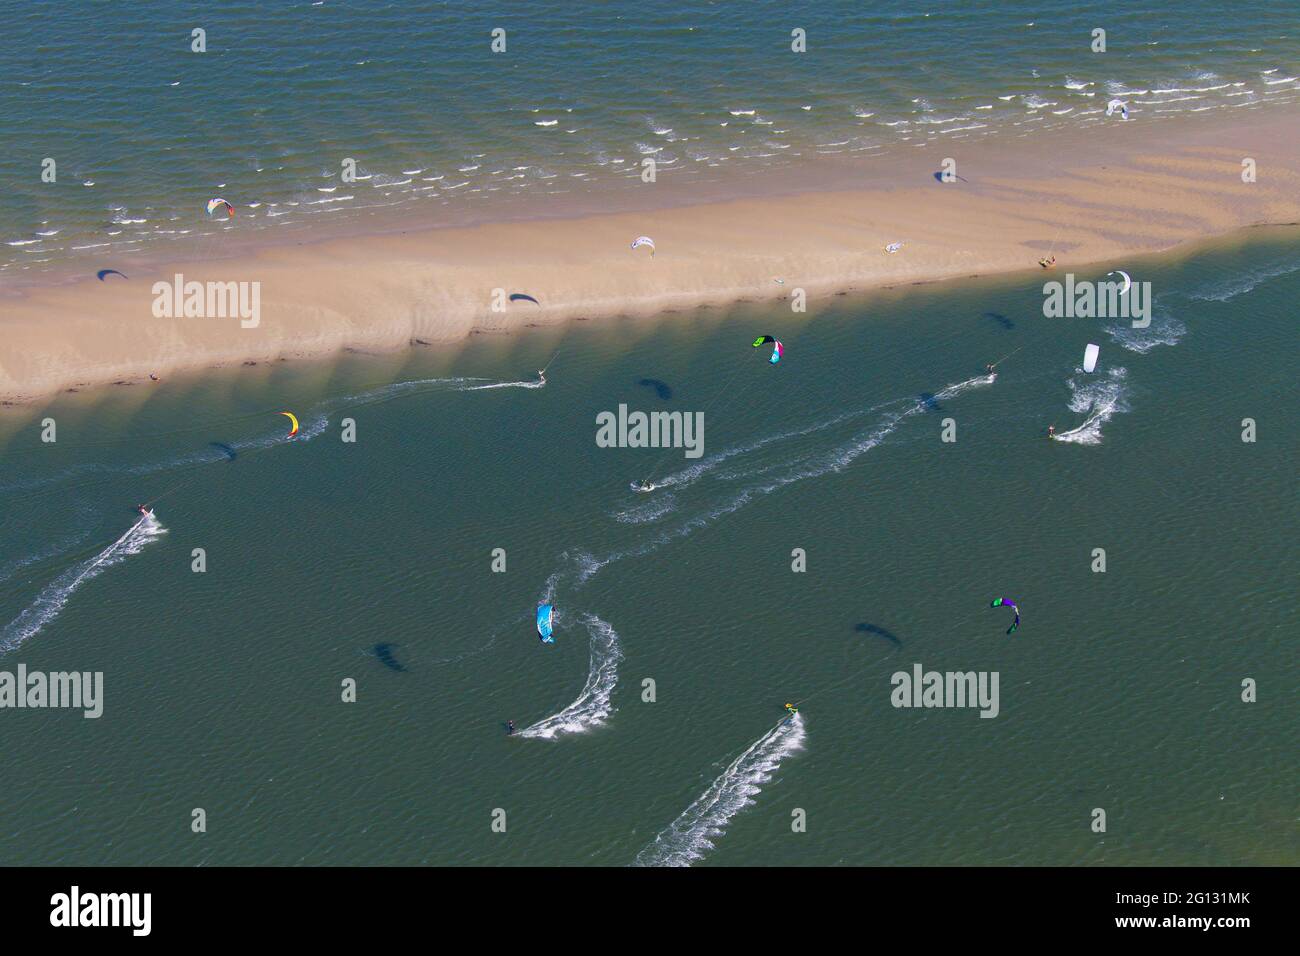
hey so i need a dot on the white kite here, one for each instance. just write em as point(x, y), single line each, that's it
point(1128, 283)
point(1117, 106)
point(1090, 357)
point(893, 247)
point(644, 241)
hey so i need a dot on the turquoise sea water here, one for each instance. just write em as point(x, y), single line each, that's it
point(372, 560)
point(143, 131)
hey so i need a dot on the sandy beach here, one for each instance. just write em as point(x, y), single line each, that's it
point(1092, 200)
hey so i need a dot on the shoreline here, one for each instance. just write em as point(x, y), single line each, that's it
point(1119, 192)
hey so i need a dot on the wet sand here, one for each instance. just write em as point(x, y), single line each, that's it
point(1094, 200)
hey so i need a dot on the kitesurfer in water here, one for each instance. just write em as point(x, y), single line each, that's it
point(1051, 431)
point(791, 711)
point(510, 727)
point(541, 376)
point(989, 368)
point(143, 509)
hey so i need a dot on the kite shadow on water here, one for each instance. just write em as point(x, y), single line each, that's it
point(865, 627)
point(225, 449)
point(929, 402)
point(662, 389)
point(1000, 319)
point(384, 652)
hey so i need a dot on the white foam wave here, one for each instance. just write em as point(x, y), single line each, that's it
point(1164, 329)
point(1223, 290)
point(1101, 398)
point(692, 835)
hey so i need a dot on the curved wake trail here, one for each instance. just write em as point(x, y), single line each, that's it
point(804, 466)
point(692, 473)
point(593, 707)
point(51, 601)
point(1102, 400)
point(691, 835)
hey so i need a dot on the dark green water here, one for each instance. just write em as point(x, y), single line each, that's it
point(1121, 690)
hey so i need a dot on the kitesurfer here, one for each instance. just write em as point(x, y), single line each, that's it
point(541, 376)
point(144, 509)
point(989, 368)
point(1051, 431)
point(510, 727)
point(791, 711)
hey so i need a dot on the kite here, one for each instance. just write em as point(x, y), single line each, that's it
point(1007, 602)
point(1090, 357)
point(1117, 106)
point(1127, 281)
point(644, 241)
point(215, 204)
point(893, 247)
point(293, 418)
point(545, 612)
point(777, 348)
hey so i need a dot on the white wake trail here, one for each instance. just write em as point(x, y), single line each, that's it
point(689, 837)
point(51, 601)
point(1102, 399)
point(593, 706)
point(804, 466)
point(479, 388)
